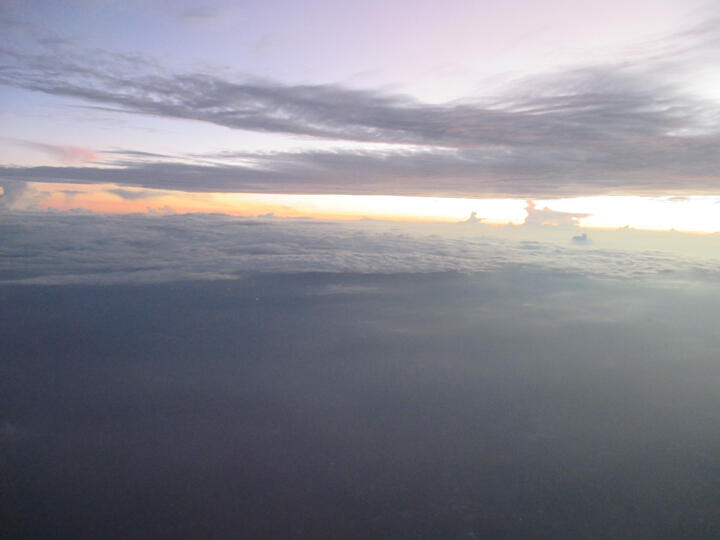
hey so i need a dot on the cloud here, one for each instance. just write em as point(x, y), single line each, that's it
point(581, 239)
point(18, 196)
point(142, 248)
point(546, 216)
point(602, 105)
point(625, 126)
point(67, 154)
point(134, 154)
point(432, 172)
point(130, 195)
point(473, 218)
point(591, 129)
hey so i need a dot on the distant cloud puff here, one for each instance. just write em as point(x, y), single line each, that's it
point(536, 216)
point(67, 154)
point(473, 218)
point(134, 195)
point(581, 239)
point(18, 196)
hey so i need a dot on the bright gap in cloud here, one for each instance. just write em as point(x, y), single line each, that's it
point(695, 214)
point(115, 199)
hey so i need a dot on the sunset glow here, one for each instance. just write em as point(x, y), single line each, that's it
point(694, 214)
point(359, 269)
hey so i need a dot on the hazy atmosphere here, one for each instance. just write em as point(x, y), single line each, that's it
point(359, 269)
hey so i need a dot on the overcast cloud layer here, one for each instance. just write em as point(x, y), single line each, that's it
point(49, 248)
point(515, 404)
point(628, 125)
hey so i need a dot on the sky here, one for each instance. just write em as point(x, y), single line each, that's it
point(349, 269)
point(595, 105)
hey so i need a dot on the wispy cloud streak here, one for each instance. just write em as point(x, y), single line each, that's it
point(586, 130)
point(67, 154)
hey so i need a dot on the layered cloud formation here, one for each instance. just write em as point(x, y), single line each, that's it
point(60, 248)
point(628, 126)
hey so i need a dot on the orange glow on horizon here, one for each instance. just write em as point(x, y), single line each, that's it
point(109, 198)
point(695, 214)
